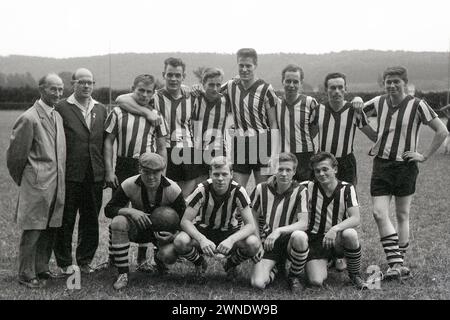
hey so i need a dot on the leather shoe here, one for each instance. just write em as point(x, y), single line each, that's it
point(32, 283)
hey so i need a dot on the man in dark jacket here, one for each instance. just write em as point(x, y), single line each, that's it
point(84, 120)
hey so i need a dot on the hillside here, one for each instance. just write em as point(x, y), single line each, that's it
point(428, 71)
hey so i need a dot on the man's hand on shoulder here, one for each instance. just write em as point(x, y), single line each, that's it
point(197, 90)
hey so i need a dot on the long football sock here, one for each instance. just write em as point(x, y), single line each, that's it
point(353, 257)
point(236, 258)
point(391, 249)
point(403, 248)
point(120, 253)
point(298, 261)
point(193, 256)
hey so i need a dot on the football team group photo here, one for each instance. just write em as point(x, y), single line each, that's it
point(227, 183)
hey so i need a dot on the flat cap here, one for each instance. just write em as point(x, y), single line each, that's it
point(152, 161)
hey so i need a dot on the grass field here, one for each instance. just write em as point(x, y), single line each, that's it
point(428, 257)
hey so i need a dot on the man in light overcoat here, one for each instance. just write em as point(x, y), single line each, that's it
point(36, 160)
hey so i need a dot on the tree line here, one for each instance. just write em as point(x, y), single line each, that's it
point(19, 91)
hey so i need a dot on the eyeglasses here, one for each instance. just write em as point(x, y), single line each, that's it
point(85, 82)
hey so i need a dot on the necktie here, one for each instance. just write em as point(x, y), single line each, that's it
point(52, 117)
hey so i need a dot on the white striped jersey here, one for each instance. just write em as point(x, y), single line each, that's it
point(337, 128)
point(398, 128)
point(218, 212)
point(278, 210)
point(177, 113)
point(249, 107)
point(326, 212)
point(208, 122)
point(134, 134)
point(294, 123)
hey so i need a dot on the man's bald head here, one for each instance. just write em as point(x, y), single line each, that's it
point(82, 72)
point(83, 84)
point(49, 78)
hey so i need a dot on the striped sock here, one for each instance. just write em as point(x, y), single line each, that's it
point(298, 261)
point(273, 273)
point(193, 256)
point(110, 251)
point(236, 258)
point(120, 254)
point(353, 257)
point(403, 248)
point(391, 249)
point(258, 256)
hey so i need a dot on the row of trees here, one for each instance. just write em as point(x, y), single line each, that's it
point(22, 98)
point(17, 80)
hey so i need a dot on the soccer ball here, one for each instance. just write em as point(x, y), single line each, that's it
point(165, 219)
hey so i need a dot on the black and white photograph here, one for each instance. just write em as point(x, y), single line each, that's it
point(224, 156)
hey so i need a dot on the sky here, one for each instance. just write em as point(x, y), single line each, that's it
point(76, 28)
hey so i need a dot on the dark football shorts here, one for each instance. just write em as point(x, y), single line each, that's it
point(389, 177)
point(347, 169)
point(304, 171)
point(250, 153)
point(126, 167)
point(318, 251)
point(184, 171)
point(216, 236)
point(279, 251)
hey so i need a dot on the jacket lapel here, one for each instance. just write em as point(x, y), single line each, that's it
point(45, 120)
point(79, 115)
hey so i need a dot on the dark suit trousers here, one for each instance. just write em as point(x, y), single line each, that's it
point(35, 250)
point(85, 197)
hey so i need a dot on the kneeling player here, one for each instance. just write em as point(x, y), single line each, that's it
point(146, 192)
point(277, 206)
point(212, 221)
point(333, 215)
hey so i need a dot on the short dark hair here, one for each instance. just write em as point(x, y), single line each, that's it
point(292, 68)
point(211, 73)
point(396, 71)
point(322, 156)
point(247, 53)
point(146, 79)
point(334, 75)
point(174, 62)
point(288, 157)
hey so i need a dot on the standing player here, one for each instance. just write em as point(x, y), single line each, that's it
point(395, 169)
point(277, 205)
point(176, 109)
point(146, 191)
point(134, 136)
point(294, 116)
point(212, 221)
point(337, 121)
point(253, 104)
point(333, 215)
point(208, 119)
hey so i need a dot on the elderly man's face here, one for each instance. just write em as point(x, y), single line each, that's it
point(83, 84)
point(52, 91)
